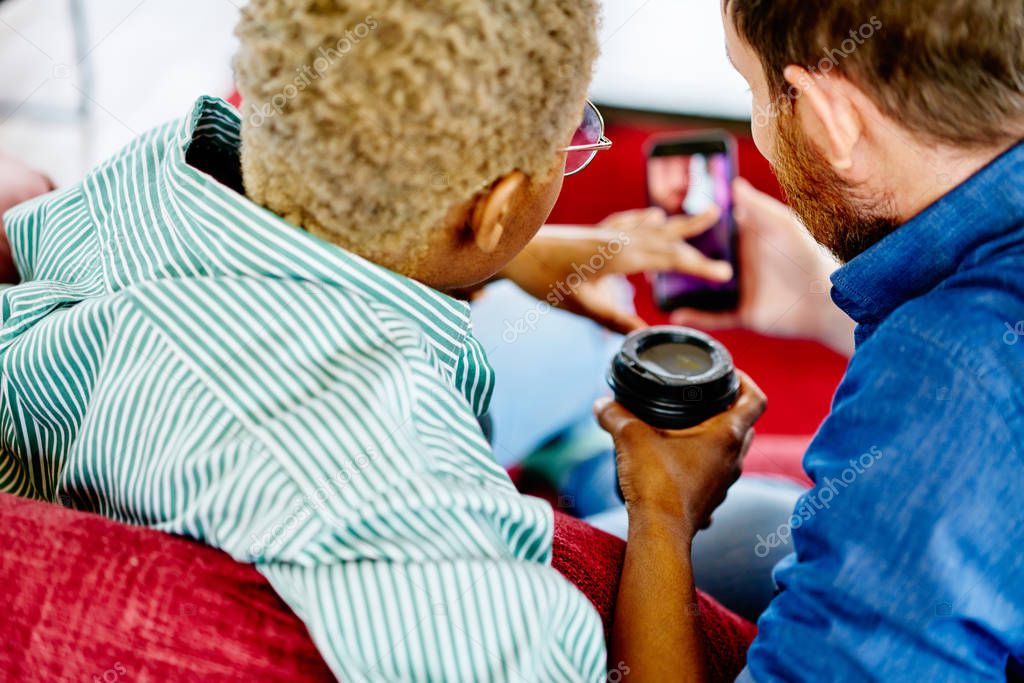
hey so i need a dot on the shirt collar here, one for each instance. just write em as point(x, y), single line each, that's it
point(934, 245)
point(209, 213)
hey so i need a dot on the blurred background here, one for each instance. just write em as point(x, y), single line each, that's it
point(79, 79)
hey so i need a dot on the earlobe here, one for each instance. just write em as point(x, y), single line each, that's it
point(489, 214)
point(833, 110)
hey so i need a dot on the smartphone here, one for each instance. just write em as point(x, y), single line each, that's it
point(686, 175)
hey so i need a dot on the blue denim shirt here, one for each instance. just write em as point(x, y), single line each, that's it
point(909, 550)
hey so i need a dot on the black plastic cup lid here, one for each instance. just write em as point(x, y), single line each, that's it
point(673, 377)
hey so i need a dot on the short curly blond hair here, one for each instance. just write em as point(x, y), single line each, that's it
point(368, 122)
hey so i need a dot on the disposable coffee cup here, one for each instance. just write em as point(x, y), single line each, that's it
point(673, 377)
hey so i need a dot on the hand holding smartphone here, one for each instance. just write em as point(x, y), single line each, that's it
point(686, 175)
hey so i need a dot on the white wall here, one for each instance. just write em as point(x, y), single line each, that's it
point(668, 55)
point(153, 57)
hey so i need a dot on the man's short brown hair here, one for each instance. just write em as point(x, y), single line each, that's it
point(949, 69)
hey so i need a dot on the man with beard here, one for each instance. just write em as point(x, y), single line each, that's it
point(895, 128)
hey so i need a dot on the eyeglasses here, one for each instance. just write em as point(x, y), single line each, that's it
point(587, 142)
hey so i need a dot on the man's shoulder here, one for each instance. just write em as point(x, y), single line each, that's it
point(937, 381)
point(973, 326)
point(920, 458)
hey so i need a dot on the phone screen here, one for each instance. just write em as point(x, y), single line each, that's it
point(687, 177)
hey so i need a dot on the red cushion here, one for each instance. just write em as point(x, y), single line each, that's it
point(86, 597)
point(83, 595)
point(778, 456)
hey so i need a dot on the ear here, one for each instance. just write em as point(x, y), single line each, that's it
point(831, 106)
point(488, 216)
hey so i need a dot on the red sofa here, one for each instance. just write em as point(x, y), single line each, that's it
point(89, 599)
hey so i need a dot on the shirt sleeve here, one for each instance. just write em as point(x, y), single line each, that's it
point(462, 620)
point(907, 561)
point(428, 576)
point(58, 260)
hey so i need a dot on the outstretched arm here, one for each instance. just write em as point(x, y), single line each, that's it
point(568, 266)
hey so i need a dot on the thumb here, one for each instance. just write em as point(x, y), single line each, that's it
point(591, 303)
point(756, 211)
point(612, 416)
point(747, 200)
point(616, 321)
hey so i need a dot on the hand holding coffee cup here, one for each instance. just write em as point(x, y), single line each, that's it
point(682, 420)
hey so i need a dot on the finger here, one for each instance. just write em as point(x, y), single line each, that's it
point(755, 210)
point(616, 321)
point(612, 417)
point(634, 218)
point(749, 388)
point(652, 216)
point(748, 441)
point(689, 260)
point(749, 406)
point(686, 227)
point(743, 196)
point(705, 320)
point(737, 423)
point(598, 306)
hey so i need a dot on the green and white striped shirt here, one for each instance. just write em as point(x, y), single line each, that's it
point(180, 358)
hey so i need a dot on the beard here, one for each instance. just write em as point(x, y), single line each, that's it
point(836, 215)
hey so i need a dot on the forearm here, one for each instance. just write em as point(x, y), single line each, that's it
point(556, 248)
point(657, 625)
